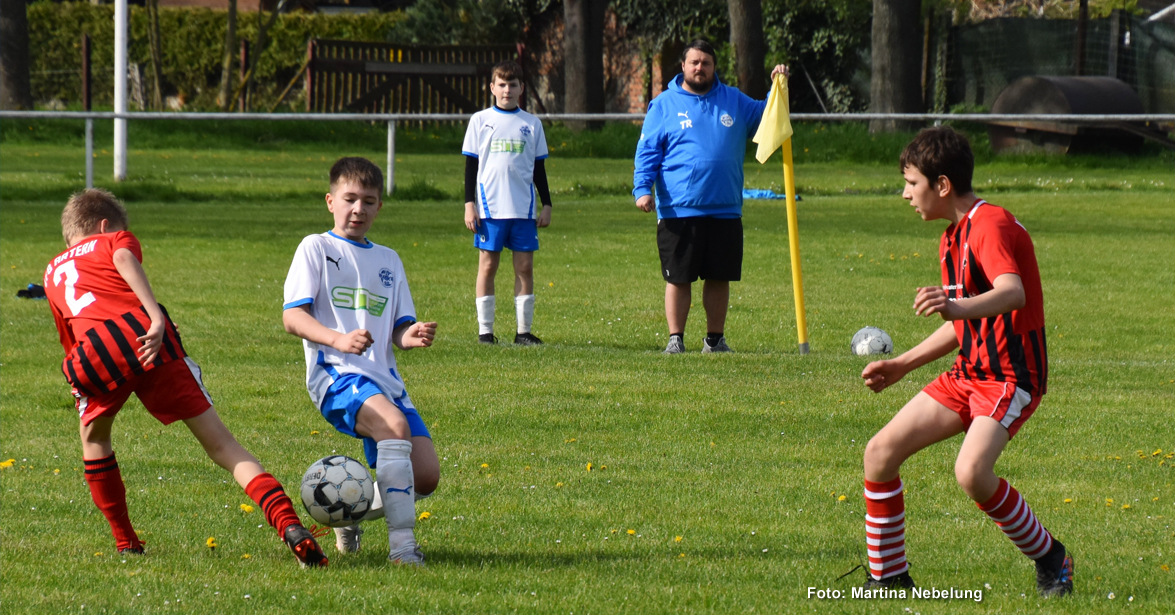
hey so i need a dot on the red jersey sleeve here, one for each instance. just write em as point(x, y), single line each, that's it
point(997, 243)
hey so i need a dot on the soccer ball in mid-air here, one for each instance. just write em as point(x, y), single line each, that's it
point(871, 340)
point(337, 491)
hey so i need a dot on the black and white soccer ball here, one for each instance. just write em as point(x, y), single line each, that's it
point(337, 491)
point(871, 340)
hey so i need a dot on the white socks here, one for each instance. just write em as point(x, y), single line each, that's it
point(393, 474)
point(524, 308)
point(485, 314)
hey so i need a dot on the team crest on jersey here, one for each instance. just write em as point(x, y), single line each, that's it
point(385, 276)
point(726, 120)
point(525, 130)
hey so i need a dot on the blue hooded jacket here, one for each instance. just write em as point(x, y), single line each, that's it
point(692, 149)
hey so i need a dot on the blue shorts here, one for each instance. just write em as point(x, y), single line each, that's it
point(518, 234)
point(341, 406)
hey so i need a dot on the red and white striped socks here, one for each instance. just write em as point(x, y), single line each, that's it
point(885, 528)
point(1013, 516)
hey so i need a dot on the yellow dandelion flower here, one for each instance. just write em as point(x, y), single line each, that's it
point(485, 465)
point(551, 284)
point(99, 554)
point(4, 465)
point(246, 556)
point(614, 531)
point(558, 484)
point(569, 441)
point(589, 467)
point(424, 516)
point(1125, 507)
point(603, 467)
point(631, 532)
point(677, 539)
point(211, 542)
point(57, 471)
point(681, 555)
point(1154, 499)
point(245, 508)
point(840, 499)
point(1157, 452)
point(1068, 500)
point(712, 443)
point(1109, 500)
point(1165, 568)
point(314, 432)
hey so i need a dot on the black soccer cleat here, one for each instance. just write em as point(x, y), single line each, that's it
point(898, 581)
point(487, 338)
point(305, 548)
point(1054, 572)
point(131, 550)
point(527, 339)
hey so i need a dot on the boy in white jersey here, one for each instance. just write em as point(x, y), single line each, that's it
point(348, 299)
point(505, 148)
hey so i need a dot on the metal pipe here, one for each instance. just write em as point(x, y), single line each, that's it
point(390, 180)
point(120, 32)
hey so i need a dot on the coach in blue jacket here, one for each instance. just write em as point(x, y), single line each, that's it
point(691, 151)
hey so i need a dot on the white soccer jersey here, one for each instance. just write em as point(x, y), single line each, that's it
point(506, 144)
point(348, 286)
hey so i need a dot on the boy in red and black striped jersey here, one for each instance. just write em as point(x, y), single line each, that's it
point(992, 303)
point(118, 340)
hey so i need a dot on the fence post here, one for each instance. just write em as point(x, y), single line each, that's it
point(243, 103)
point(120, 35)
point(391, 178)
point(86, 104)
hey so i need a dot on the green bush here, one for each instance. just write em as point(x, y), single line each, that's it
point(192, 46)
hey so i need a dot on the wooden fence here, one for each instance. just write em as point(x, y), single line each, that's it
point(352, 77)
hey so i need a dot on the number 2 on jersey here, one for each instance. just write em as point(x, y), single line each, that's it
point(70, 272)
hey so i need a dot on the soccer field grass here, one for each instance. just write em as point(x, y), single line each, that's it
point(716, 482)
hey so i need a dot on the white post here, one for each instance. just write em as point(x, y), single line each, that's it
point(120, 32)
point(391, 178)
point(89, 153)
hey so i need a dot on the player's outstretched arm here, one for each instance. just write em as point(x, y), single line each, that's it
point(880, 374)
point(1006, 294)
point(299, 321)
point(129, 268)
point(415, 335)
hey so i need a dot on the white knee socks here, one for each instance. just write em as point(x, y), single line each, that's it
point(524, 308)
point(393, 474)
point(485, 314)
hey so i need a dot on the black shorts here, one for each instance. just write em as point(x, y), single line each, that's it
point(705, 247)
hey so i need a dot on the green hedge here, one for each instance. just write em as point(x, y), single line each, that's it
point(193, 42)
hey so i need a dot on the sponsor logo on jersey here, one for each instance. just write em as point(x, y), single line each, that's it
point(525, 130)
point(726, 120)
point(385, 277)
point(358, 299)
point(331, 260)
point(686, 123)
point(507, 146)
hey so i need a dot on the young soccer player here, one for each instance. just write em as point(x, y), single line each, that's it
point(348, 299)
point(118, 340)
point(992, 303)
point(505, 148)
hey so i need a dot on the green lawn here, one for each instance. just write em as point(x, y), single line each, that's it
point(715, 481)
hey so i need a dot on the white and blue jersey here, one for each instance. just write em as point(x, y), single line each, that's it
point(350, 285)
point(505, 144)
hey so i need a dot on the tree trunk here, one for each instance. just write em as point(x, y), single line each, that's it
point(746, 35)
point(156, 55)
point(223, 99)
point(583, 59)
point(895, 86)
point(15, 90)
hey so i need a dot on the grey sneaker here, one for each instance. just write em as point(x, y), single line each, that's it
point(719, 347)
point(408, 556)
point(347, 538)
point(675, 345)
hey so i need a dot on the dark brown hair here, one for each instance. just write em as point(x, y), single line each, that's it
point(507, 70)
point(356, 169)
point(941, 151)
point(702, 46)
point(87, 209)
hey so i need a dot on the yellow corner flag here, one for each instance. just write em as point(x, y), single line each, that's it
point(775, 127)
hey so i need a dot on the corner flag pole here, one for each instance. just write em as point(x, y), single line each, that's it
point(793, 238)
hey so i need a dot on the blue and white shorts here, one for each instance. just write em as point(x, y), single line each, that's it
point(517, 234)
point(345, 397)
